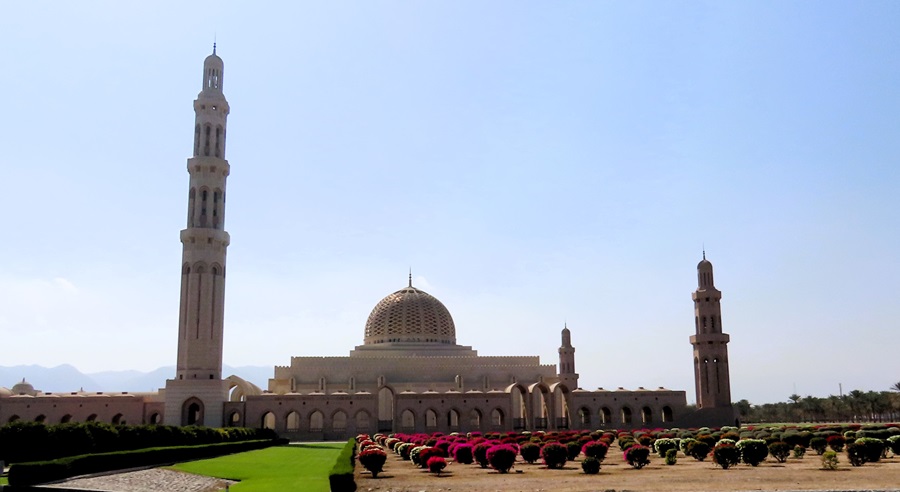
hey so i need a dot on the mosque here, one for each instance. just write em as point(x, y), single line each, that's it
point(409, 374)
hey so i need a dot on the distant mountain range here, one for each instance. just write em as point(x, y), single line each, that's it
point(66, 378)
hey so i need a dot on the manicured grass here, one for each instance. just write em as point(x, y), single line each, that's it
point(3, 481)
point(294, 467)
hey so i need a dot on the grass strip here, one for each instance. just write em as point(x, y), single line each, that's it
point(293, 467)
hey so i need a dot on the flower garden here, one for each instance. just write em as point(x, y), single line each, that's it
point(771, 457)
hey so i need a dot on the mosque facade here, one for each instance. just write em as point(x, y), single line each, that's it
point(409, 374)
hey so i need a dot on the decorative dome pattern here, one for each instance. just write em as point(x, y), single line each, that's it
point(410, 315)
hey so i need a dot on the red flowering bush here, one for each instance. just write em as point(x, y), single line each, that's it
point(427, 453)
point(373, 460)
point(502, 457)
point(726, 455)
point(436, 464)
point(480, 453)
point(595, 449)
point(836, 443)
point(463, 454)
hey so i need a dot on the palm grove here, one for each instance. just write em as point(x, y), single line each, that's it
point(855, 406)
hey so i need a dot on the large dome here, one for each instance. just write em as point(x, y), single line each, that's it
point(410, 315)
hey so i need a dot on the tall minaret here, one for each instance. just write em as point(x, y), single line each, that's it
point(197, 393)
point(711, 378)
point(567, 373)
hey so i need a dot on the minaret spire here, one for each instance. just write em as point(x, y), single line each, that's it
point(410, 276)
point(711, 376)
point(197, 393)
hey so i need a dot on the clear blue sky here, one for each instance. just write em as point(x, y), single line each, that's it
point(534, 163)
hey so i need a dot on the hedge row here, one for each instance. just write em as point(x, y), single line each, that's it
point(341, 475)
point(26, 474)
point(32, 441)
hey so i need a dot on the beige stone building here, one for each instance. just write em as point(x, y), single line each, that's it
point(409, 374)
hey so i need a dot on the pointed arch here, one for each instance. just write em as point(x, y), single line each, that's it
point(431, 420)
point(408, 419)
point(453, 419)
point(475, 419)
point(234, 419)
point(316, 421)
point(605, 416)
point(646, 415)
point(267, 421)
point(584, 417)
point(363, 421)
point(498, 418)
point(667, 414)
point(192, 411)
point(292, 421)
point(626, 415)
point(65, 419)
point(339, 421)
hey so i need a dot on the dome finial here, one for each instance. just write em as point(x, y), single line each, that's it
point(704, 250)
point(410, 276)
point(214, 47)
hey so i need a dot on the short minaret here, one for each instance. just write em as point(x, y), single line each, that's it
point(197, 393)
point(567, 374)
point(711, 378)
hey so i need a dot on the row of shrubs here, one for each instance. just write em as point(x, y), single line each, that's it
point(340, 477)
point(726, 446)
point(33, 441)
point(33, 473)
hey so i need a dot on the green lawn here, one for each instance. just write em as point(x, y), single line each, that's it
point(295, 467)
point(3, 481)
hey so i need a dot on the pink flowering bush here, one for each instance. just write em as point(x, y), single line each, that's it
point(637, 456)
point(373, 460)
point(502, 457)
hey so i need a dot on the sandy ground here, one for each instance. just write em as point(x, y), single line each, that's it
point(615, 475)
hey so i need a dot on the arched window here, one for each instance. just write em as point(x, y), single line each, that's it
point(408, 419)
point(316, 421)
point(605, 415)
point(584, 416)
point(13, 418)
point(218, 140)
point(118, 419)
point(197, 140)
point(498, 419)
point(646, 415)
point(430, 419)
point(234, 419)
point(667, 414)
point(207, 130)
point(267, 421)
point(40, 418)
point(475, 419)
point(91, 418)
point(453, 419)
point(65, 419)
point(292, 422)
point(626, 415)
point(339, 421)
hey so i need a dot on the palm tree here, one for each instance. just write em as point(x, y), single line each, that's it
point(896, 386)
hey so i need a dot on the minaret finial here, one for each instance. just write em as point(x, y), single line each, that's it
point(704, 251)
point(214, 47)
point(410, 276)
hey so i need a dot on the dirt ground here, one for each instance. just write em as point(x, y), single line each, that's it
point(615, 475)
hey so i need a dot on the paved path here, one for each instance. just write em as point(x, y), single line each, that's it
point(152, 480)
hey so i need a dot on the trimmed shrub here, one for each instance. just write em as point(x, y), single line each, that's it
point(872, 447)
point(829, 460)
point(836, 443)
point(799, 452)
point(429, 452)
point(480, 453)
point(501, 457)
point(373, 460)
point(590, 466)
point(726, 455)
point(893, 442)
point(818, 444)
point(463, 454)
point(780, 450)
point(530, 452)
point(637, 456)
point(698, 450)
point(554, 455)
point(663, 445)
point(573, 449)
point(753, 451)
point(436, 464)
point(856, 453)
point(671, 456)
point(595, 449)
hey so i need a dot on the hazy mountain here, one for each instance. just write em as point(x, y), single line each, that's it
point(66, 378)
